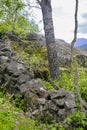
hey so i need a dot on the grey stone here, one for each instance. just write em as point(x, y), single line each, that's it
point(61, 115)
point(61, 112)
point(42, 101)
point(34, 86)
point(4, 59)
point(14, 68)
point(59, 102)
point(5, 54)
point(51, 106)
point(5, 49)
point(70, 104)
point(57, 94)
point(22, 78)
point(51, 94)
point(20, 67)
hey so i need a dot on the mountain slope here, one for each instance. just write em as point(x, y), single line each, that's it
point(84, 46)
point(81, 43)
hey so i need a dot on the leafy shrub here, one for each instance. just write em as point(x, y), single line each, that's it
point(35, 58)
point(66, 80)
point(77, 121)
point(82, 83)
point(14, 19)
point(11, 118)
point(47, 85)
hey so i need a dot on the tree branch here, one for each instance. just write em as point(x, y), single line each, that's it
point(76, 67)
point(32, 6)
point(53, 84)
point(39, 1)
point(75, 31)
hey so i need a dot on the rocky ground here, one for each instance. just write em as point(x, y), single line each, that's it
point(63, 49)
point(54, 105)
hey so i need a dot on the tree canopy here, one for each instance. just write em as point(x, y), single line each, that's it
point(14, 18)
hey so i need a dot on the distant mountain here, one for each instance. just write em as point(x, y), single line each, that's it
point(84, 46)
point(81, 43)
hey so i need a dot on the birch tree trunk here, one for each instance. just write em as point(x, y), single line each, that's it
point(50, 38)
point(75, 30)
point(82, 105)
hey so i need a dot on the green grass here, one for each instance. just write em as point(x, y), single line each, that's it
point(66, 81)
point(12, 118)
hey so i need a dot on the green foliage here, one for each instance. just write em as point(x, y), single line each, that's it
point(19, 101)
point(10, 8)
point(36, 59)
point(11, 118)
point(23, 56)
point(82, 83)
point(77, 121)
point(66, 80)
point(13, 18)
point(20, 26)
point(47, 85)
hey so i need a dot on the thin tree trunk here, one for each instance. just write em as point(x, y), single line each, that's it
point(76, 89)
point(75, 31)
point(50, 38)
point(76, 67)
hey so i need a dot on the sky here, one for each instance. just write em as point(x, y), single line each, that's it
point(63, 18)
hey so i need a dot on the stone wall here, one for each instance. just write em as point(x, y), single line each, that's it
point(53, 105)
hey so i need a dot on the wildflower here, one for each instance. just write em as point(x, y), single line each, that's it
point(16, 122)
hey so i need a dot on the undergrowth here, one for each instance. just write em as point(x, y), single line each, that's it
point(66, 81)
point(12, 118)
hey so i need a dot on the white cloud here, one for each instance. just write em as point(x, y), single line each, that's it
point(82, 35)
point(63, 17)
